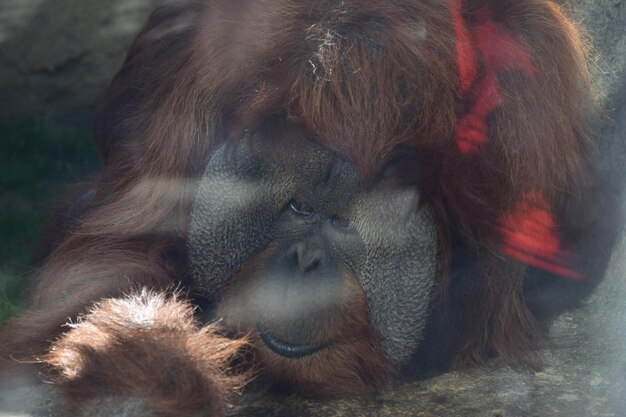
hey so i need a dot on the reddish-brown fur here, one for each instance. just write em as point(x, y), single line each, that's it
point(185, 88)
point(150, 347)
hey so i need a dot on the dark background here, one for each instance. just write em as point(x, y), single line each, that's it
point(56, 58)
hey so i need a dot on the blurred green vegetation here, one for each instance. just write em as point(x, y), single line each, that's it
point(39, 156)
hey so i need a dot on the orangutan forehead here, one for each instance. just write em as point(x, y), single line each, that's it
point(329, 168)
point(362, 78)
point(365, 81)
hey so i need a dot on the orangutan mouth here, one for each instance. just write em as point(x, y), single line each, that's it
point(288, 350)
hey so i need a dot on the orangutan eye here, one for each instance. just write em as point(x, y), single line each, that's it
point(303, 209)
point(342, 222)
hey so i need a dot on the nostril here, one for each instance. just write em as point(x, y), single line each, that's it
point(310, 260)
point(305, 257)
point(309, 264)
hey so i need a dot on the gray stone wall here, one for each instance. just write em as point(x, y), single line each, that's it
point(605, 23)
point(57, 56)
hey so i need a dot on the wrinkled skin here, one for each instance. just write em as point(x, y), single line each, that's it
point(387, 242)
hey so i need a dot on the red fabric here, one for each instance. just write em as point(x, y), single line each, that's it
point(465, 54)
point(485, 49)
point(529, 235)
point(492, 50)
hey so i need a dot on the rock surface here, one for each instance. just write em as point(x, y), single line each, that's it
point(57, 56)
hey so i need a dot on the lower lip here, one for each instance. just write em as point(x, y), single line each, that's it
point(287, 350)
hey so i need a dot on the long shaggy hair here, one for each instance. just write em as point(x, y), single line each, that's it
point(362, 78)
point(150, 347)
